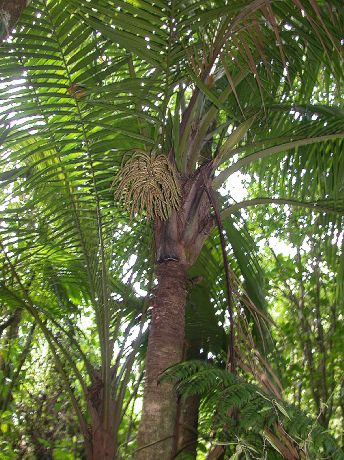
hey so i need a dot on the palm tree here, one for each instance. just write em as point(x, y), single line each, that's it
point(170, 99)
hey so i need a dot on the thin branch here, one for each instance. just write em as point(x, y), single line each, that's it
point(248, 159)
point(49, 337)
point(280, 201)
point(8, 322)
point(16, 374)
point(133, 394)
point(214, 204)
point(154, 443)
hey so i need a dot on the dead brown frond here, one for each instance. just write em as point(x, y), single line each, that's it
point(148, 183)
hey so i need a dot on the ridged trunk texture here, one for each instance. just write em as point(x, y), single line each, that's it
point(187, 432)
point(188, 410)
point(101, 439)
point(156, 438)
point(178, 241)
point(103, 444)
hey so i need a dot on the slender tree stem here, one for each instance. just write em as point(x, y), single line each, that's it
point(214, 204)
point(247, 160)
point(280, 201)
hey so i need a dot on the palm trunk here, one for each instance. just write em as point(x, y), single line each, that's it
point(188, 410)
point(156, 436)
point(103, 444)
point(178, 243)
point(187, 435)
point(101, 439)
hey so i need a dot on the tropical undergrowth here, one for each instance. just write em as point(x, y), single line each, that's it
point(249, 422)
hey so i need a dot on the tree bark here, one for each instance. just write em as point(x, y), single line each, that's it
point(103, 444)
point(187, 435)
point(102, 435)
point(10, 10)
point(178, 241)
point(188, 411)
point(323, 416)
point(156, 435)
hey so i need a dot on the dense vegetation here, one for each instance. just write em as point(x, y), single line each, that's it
point(172, 201)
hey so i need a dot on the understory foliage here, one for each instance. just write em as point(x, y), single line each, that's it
point(96, 99)
point(307, 306)
point(247, 420)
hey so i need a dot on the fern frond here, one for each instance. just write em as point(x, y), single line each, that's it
point(258, 415)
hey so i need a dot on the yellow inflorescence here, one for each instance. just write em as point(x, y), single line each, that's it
point(148, 183)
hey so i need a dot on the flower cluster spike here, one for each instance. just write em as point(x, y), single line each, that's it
point(147, 183)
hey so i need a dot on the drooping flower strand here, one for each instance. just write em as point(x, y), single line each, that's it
point(148, 183)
